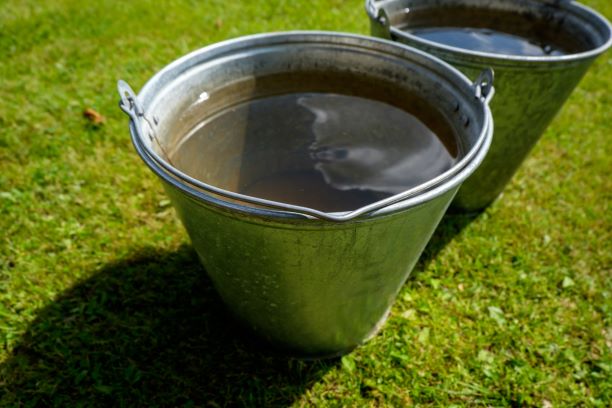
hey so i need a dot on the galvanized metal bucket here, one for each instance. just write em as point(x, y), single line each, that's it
point(530, 90)
point(317, 284)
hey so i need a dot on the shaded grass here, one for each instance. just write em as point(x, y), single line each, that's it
point(147, 331)
point(103, 303)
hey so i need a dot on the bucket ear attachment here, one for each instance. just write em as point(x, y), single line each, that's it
point(383, 19)
point(483, 86)
point(381, 15)
point(128, 102)
point(130, 105)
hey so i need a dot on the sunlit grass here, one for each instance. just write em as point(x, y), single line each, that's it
point(102, 301)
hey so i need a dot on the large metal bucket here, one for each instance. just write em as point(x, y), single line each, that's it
point(315, 283)
point(530, 90)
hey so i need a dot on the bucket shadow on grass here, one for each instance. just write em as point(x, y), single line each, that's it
point(149, 331)
point(451, 225)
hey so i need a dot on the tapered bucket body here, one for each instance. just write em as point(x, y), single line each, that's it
point(316, 283)
point(535, 70)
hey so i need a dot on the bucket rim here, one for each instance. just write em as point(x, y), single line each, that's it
point(496, 59)
point(266, 213)
point(172, 175)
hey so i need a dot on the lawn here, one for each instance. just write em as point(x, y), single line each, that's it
point(103, 301)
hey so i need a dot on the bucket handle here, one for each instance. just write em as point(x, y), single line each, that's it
point(130, 105)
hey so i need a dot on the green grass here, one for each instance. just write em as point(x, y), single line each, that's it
point(103, 302)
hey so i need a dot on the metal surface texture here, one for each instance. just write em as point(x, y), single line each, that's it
point(313, 286)
point(530, 90)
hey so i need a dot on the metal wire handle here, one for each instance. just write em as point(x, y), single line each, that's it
point(130, 105)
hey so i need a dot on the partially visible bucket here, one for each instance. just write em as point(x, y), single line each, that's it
point(314, 282)
point(531, 86)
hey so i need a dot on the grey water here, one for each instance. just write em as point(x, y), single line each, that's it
point(488, 40)
point(324, 150)
point(492, 31)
